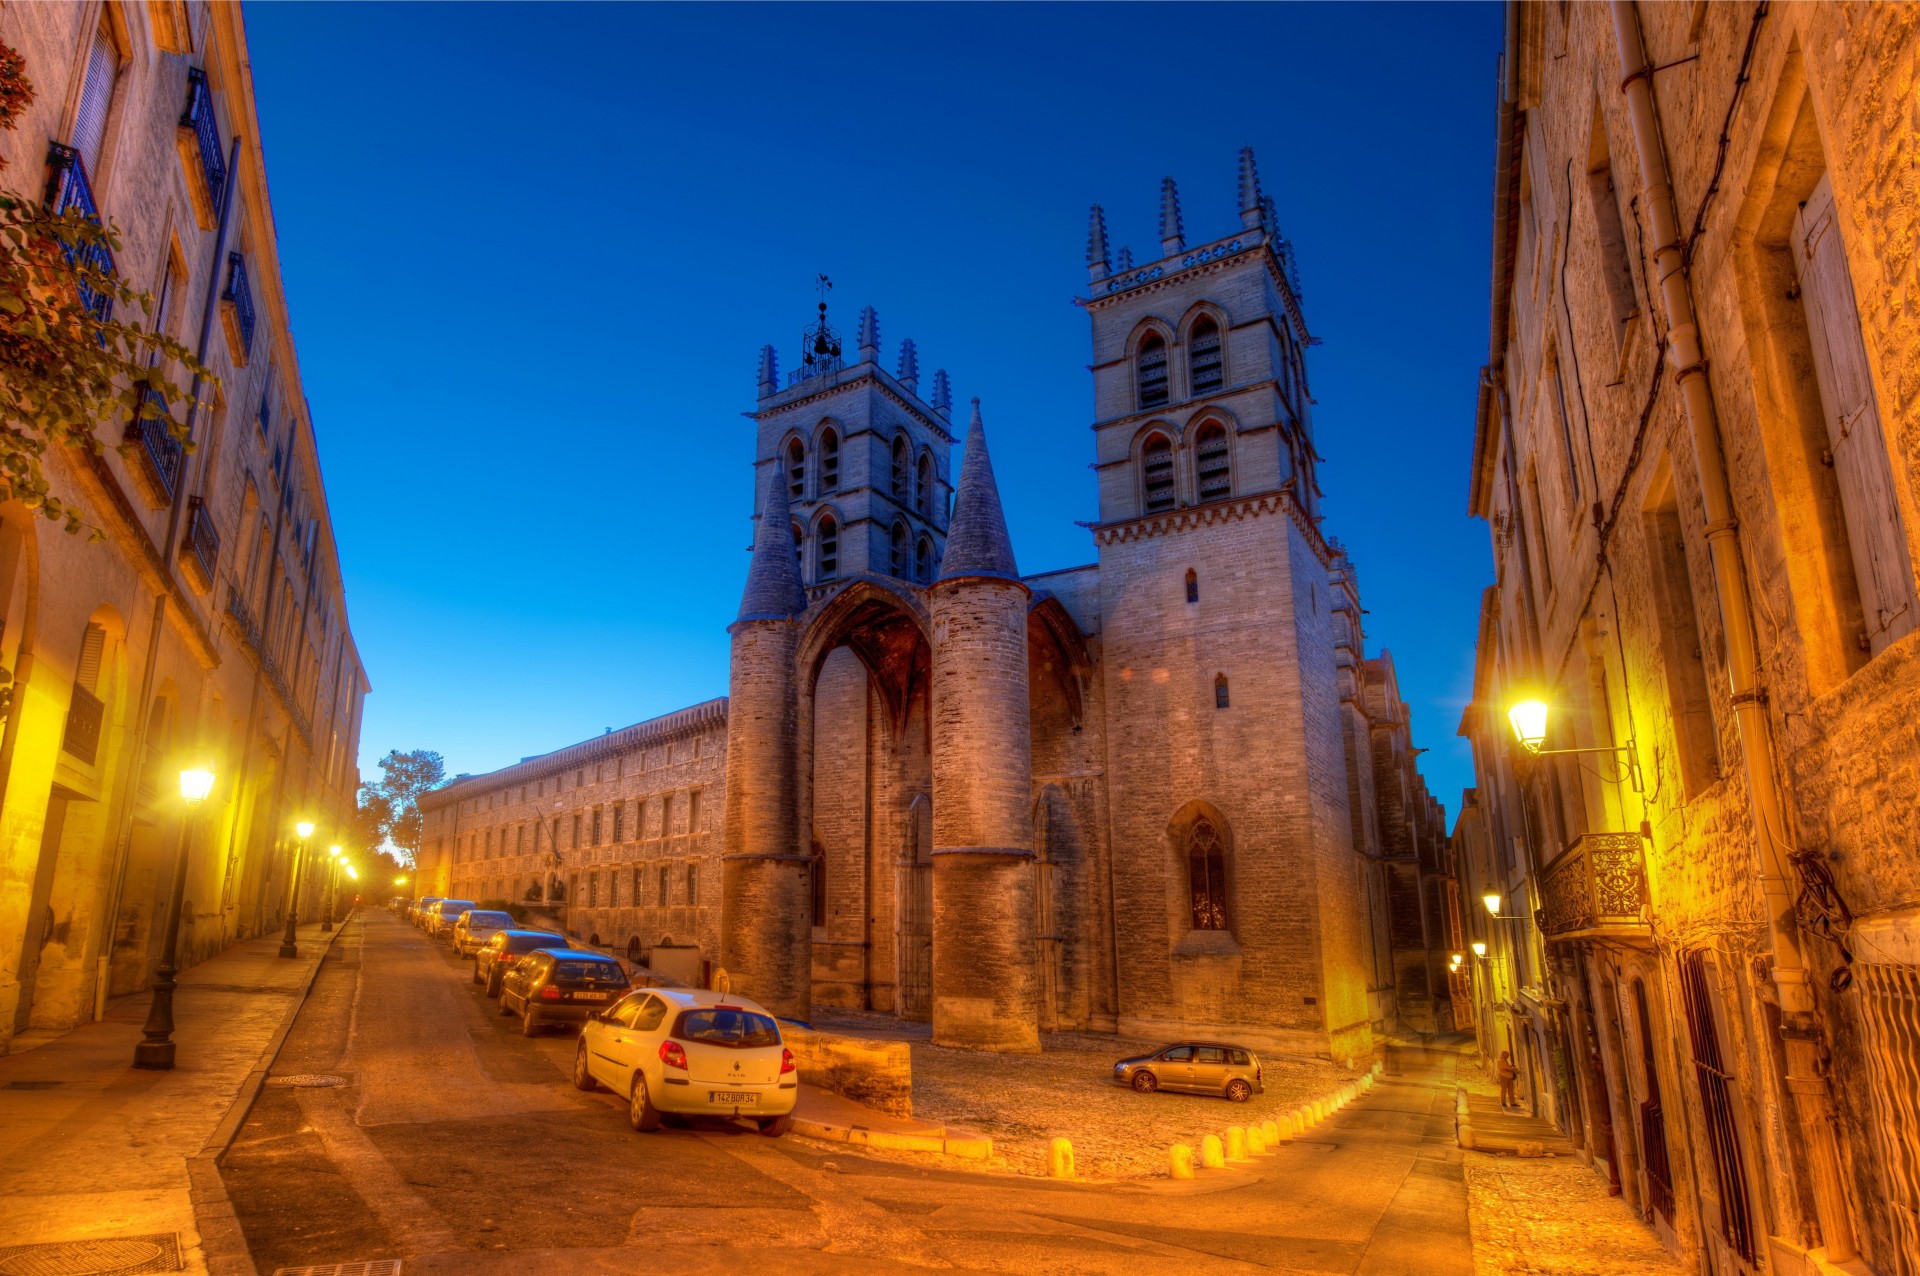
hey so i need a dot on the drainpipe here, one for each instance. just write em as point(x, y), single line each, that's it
point(1799, 1028)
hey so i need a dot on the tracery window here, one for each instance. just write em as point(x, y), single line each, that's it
point(827, 556)
point(796, 470)
point(923, 491)
point(829, 461)
point(1157, 474)
point(923, 561)
point(900, 541)
point(1150, 372)
point(1213, 467)
point(799, 545)
point(1204, 369)
point(902, 469)
point(1207, 875)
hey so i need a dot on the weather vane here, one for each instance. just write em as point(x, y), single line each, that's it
point(820, 344)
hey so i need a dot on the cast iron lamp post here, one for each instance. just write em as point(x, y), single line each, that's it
point(157, 1050)
point(333, 868)
point(289, 942)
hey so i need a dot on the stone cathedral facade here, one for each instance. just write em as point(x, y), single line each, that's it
point(1163, 793)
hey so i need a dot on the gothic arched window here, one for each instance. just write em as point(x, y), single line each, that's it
point(829, 461)
point(1212, 467)
point(1205, 372)
point(827, 555)
point(799, 546)
point(1193, 586)
point(1220, 698)
point(797, 470)
point(900, 550)
point(1150, 372)
point(902, 469)
point(1207, 875)
point(923, 561)
point(923, 491)
point(1156, 474)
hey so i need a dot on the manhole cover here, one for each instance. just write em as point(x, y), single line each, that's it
point(308, 1081)
point(33, 1085)
point(378, 1267)
point(118, 1256)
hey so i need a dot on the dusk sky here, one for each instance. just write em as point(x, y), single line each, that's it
point(531, 253)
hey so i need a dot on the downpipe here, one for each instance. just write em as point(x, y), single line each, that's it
point(1799, 1028)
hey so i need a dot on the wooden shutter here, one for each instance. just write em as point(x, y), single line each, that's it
point(96, 95)
point(93, 645)
point(1883, 569)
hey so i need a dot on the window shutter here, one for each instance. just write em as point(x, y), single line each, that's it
point(1882, 566)
point(92, 646)
point(96, 95)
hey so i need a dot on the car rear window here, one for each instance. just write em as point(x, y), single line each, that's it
point(527, 943)
point(488, 919)
point(588, 972)
point(454, 907)
point(727, 1026)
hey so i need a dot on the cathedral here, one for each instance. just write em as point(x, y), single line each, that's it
point(1165, 793)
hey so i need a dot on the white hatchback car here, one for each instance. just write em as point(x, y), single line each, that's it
point(474, 927)
point(690, 1052)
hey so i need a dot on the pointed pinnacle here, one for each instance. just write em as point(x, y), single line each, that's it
point(1097, 267)
point(977, 540)
point(1172, 234)
point(1250, 198)
point(942, 400)
point(909, 373)
point(769, 371)
point(869, 334)
point(773, 590)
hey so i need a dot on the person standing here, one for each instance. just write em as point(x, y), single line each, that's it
point(1508, 1074)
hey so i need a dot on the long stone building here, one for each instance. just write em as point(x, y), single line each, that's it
point(208, 626)
point(1698, 457)
point(1165, 792)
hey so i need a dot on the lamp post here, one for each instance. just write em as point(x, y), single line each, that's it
point(157, 1050)
point(289, 943)
point(333, 868)
point(1528, 719)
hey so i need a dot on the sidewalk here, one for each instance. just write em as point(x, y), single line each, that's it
point(100, 1151)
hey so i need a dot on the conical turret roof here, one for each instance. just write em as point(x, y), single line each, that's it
point(774, 591)
point(977, 541)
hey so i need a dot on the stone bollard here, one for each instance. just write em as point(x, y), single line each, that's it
point(1211, 1156)
point(1236, 1143)
point(1270, 1131)
point(1319, 1111)
point(1060, 1159)
point(1378, 1067)
point(1366, 1083)
point(1256, 1140)
point(1181, 1160)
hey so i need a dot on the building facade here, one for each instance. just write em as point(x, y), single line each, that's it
point(1699, 460)
point(208, 627)
point(1162, 793)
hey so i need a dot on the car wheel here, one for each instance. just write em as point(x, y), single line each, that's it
point(1145, 1082)
point(774, 1127)
point(529, 1023)
point(1239, 1091)
point(582, 1076)
point(505, 1008)
point(493, 984)
point(641, 1114)
point(476, 972)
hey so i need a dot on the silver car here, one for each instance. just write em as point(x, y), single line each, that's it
point(1194, 1067)
point(476, 926)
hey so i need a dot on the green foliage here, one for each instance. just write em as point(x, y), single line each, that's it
point(63, 372)
point(390, 804)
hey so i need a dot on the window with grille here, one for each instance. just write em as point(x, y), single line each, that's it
point(596, 826)
point(637, 881)
point(693, 885)
point(1157, 473)
point(899, 547)
point(693, 811)
point(1213, 469)
point(593, 890)
point(923, 489)
point(1653, 1120)
point(577, 830)
point(923, 561)
point(1204, 369)
point(796, 470)
point(1193, 586)
point(1220, 697)
point(613, 888)
point(663, 900)
point(619, 821)
point(829, 461)
point(1207, 875)
point(1150, 372)
point(828, 554)
point(901, 468)
point(1716, 1101)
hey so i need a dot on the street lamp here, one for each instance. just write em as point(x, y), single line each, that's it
point(157, 1050)
point(1529, 721)
point(1479, 948)
point(333, 864)
point(289, 942)
point(1492, 900)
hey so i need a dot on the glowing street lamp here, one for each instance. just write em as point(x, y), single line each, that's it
point(1529, 720)
point(304, 828)
point(157, 1050)
point(1479, 948)
point(289, 942)
point(1492, 900)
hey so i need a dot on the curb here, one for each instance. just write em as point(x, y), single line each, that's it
point(971, 1149)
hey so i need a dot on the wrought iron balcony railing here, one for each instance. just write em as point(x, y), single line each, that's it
point(199, 120)
point(69, 190)
point(160, 453)
point(84, 716)
point(1597, 889)
point(237, 307)
point(201, 552)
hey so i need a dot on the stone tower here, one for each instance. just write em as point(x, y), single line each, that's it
point(984, 993)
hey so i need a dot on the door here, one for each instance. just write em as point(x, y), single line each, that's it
point(1174, 1067)
point(1209, 1069)
point(915, 912)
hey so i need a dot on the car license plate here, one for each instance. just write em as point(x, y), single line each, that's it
point(738, 1098)
point(591, 996)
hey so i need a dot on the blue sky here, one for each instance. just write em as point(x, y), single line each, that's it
point(532, 252)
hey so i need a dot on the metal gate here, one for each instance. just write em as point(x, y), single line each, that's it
point(914, 911)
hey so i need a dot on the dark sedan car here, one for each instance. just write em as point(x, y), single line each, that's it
point(560, 985)
point(492, 959)
point(1194, 1067)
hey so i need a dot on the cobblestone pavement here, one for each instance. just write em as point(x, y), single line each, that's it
point(1025, 1101)
point(1551, 1216)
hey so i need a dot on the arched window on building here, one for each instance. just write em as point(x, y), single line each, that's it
point(900, 542)
point(796, 470)
point(1220, 698)
point(1207, 875)
point(1150, 371)
point(827, 553)
point(829, 461)
point(923, 561)
point(1213, 469)
point(1193, 586)
point(1156, 474)
point(902, 470)
point(1205, 372)
point(923, 489)
point(799, 546)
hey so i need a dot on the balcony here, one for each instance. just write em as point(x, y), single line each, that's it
point(200, 152)
point(68, 190)
point(158, 456)
point(84, 716)
point(201, 550)
point(1596, 890)
point(236, 309)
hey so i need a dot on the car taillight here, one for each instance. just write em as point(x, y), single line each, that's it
point(1256, 1072)
point(672, 1055)
point(786, 1061)
point(549, 993)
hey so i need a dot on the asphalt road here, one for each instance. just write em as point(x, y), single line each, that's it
point(460, 1147)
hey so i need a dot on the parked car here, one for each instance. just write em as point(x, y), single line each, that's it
point(690, 1052)
point(418, 913)
point(477, 925)
point(441, 915)
point(492, 959)
point(560, 985)
point(1194, 1067)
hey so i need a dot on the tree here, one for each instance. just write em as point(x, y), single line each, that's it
point(392, 801)
point(69, 365)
